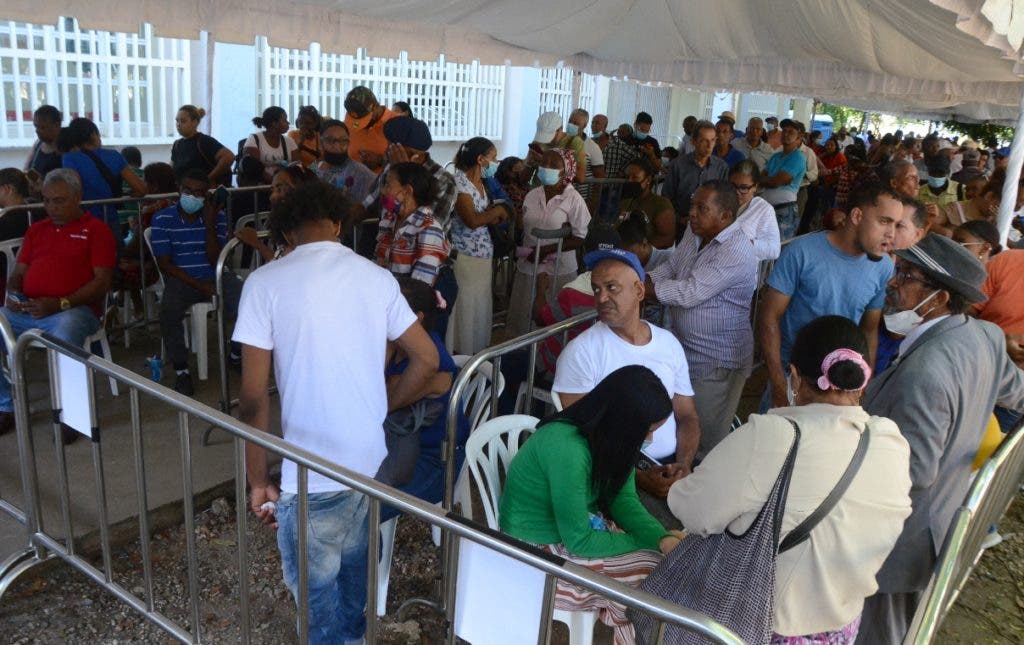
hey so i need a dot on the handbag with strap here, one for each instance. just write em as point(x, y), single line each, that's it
point(731, 578)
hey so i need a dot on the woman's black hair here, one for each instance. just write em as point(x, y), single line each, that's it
point(49, 113)
point(422, 299)
point(670, 152)
point(299, 174)
point(643, 164)
point(819, 338)
point(635, 229)
point(311, 112)
point(418, 178)
point(985, 231)
point(16, 179)
point(333, 123)
point(615, 418)
point(504, 172)
point(467, 154)
point(307, 202)
point(160, 176)
point(78, 132)
point(746, 167)
point(404, 107)
point(272, 114)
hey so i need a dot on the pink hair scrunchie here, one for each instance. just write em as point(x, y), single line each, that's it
point(836, 356)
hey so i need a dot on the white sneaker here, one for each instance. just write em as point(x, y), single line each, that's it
point(993, 538)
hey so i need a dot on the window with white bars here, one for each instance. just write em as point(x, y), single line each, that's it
point(556, 91)
point(458, 101)
point(588, 92)
point(131, 85)
point(627, 98)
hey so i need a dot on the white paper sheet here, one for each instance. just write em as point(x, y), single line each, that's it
point(498, 599)
point(75, 394)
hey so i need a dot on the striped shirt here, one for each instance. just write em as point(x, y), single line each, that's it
point(709, 292)
point(417, 248)
point(444, 192)
point(185, 241)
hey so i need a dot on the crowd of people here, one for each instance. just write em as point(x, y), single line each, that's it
point(889, 324)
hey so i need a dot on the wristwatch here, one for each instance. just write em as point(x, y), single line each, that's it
point(65, 304)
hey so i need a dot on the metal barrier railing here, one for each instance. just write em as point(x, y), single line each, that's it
point(185, 408)
point(995, 487)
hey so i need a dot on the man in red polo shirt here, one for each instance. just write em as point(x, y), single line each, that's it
point(62, 274)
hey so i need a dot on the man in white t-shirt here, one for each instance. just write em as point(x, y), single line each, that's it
point(323, 315)
point(577, 125)
point(620, 338)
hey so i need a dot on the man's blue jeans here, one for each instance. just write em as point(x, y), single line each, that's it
point(788, 219)
point(337, 543)
point(74, 326)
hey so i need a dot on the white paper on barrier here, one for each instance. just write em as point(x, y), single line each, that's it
point(75, 398)
point(498, 600)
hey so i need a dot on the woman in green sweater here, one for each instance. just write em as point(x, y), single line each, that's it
point(570, 489)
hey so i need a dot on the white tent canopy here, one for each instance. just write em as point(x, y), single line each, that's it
point(928, 57)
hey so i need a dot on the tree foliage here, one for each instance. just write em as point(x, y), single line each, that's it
point(981, 132)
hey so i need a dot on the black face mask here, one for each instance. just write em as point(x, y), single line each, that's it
point(631, 190)
point(336, 158)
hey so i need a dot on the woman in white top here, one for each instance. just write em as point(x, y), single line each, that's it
point(271, 146)
point(820, 584)
point(552, 205)
point(756, 216)
point(469, 328)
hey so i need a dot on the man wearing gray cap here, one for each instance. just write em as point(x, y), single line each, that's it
point(951, 371)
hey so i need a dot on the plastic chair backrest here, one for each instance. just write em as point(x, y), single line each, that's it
point(489, 451)
point(476, 401)
point(245, 220)
point(9, 249)
point(147, 235)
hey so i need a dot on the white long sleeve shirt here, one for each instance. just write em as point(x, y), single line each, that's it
point(821, 584)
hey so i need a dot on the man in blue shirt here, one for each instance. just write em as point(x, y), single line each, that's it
point(724, 150)
point(186, 241)
point(782, 176)
point(842, 272)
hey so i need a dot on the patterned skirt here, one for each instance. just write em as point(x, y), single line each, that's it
point(842, 636)
point(630, 568)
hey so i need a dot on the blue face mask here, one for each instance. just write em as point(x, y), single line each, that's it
point(548, 176)
point(640, 136)
point(596, 133)
point(488, 171)
point(572, 129)
point(190, 203)
point(665, 161)
point(936, 182)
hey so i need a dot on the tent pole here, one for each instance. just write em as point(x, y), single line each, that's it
point(1013, 169)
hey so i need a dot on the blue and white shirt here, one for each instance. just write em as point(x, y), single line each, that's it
point(185, 241)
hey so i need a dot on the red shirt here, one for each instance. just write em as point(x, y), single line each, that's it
point(61, 259)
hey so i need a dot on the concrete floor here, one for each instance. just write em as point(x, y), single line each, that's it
point(212, 465)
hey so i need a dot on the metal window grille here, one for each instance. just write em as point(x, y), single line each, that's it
point(457, 101)
point(131, 85)
point(556, 91)
point(588, 93)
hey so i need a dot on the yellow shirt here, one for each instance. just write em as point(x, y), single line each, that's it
point(948, 196)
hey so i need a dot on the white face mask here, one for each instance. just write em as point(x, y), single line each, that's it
point(903, 322)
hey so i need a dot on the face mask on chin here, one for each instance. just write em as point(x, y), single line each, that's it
point(903, 322)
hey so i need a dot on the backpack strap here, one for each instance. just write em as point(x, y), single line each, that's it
point(116, 189)
point(803, 530)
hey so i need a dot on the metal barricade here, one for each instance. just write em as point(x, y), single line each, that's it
point(189, 630)
point(23, 559)
point(996, 485)
point(605, 196)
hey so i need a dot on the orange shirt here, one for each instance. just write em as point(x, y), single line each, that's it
point(306, 157)
point(370, 139)
point(1005, 290)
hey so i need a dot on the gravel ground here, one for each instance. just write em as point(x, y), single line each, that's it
point(63, 606)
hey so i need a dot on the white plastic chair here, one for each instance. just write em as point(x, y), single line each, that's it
point(101, 337)
point(195, 327)
point(489, 451)
point(9, 249)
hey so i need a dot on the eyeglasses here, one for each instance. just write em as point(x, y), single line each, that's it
point(743, 188)
point(333, 140)
point(902, 276)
